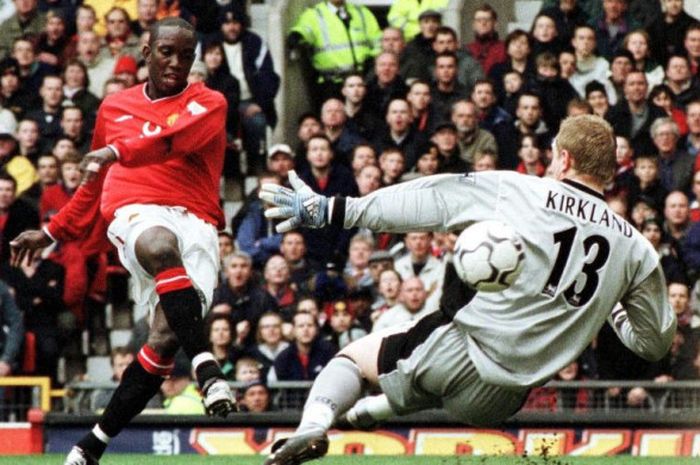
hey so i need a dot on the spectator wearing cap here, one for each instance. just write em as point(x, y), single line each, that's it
point(126, 69)
point(26, 20)
point(470, 136)
point(119, 39)
point(255, 398)
point(446, 140)
point(446, 87)
point(99, 65)
point(399, 133)
point(420, 48)
point(219, 78)
point(280, 159)
point(250, 62)
point(621, 64)
point(256, 234)
point(54, 39)
point(343, 138)
point(405, 14)
point(102, 7)
point(342, 38)
point(17, 166)
point(360, 117)
point(597, 98)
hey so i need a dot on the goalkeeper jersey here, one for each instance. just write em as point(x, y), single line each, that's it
point(581, 259)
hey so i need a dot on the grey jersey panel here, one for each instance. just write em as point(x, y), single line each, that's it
point(525, 334)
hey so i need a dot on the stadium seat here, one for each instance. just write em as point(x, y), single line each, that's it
point(119, 337)
point(99, 368)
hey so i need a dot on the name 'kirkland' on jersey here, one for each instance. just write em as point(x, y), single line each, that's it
point(581, 259)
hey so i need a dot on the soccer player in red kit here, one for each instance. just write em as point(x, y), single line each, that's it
point(152, 181)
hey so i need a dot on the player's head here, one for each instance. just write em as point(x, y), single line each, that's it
point(169, 54)
point(585, 146)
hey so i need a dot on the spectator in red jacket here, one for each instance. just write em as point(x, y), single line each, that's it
point(487, 48)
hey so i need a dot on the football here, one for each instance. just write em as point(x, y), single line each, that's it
point(489, 256)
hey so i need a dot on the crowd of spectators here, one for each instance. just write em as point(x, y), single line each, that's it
point(388, 105)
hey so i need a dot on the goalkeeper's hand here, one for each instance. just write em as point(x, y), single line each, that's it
point(298, 207)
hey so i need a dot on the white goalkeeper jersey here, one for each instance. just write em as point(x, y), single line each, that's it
point(581, 259)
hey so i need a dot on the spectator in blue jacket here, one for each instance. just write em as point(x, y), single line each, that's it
point(256, 234)
point(307, 355)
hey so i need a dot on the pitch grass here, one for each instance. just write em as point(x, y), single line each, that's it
point(134, 459)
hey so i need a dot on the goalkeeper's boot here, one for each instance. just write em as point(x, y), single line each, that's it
point(298, 449)
point(78, 456)
point(219, 399)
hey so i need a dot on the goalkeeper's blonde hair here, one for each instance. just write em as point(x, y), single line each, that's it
point(591, 142)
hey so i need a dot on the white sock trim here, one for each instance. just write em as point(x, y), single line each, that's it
point(201, 358)
point(97, 431)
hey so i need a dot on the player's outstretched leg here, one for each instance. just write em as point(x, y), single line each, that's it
point(183, 311)
point(336, 389)
point(157, 251)
point(140, 382)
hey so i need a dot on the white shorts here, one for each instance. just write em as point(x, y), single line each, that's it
point(197, 241)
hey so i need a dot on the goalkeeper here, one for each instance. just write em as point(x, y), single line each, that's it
point(581, 259)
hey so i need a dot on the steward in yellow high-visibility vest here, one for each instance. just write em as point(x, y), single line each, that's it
point(342, 38)
point(404, 14)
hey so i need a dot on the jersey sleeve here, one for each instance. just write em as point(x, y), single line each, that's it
point(434, 203)
point(194, 129)
point(645, 322)
point(77, 218)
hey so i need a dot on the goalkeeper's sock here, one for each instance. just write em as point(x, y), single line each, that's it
point(336, 389)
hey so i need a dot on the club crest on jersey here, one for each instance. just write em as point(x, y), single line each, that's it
point(150, 131)
point(172, 118)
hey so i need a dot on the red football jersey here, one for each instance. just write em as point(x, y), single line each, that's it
point(170, 152)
